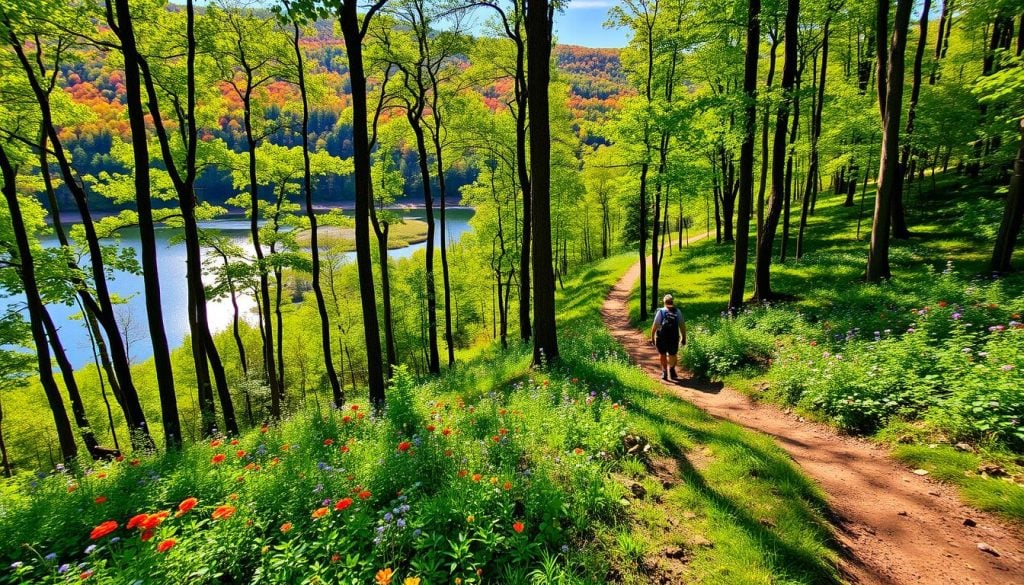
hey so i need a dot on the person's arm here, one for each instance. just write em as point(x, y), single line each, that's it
point(654, 326)
point(682, 327)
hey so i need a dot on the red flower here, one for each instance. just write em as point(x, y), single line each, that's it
point(404, 446)
point(518, 527)
point(476, 477)
point(234, 442)
point(186, 505)
point(166, 545)
point(223, 512)
point(215, 443)
point(463, 473)
point(344, 448)
point(507, 486)
point(448, 453)
point(153, 520)
point(218, 458)
point(147, 535)
point(103, 529)
point(496, 439)
point(137, 520)
point(335, 558)
point(343, 504)
point(346, 419)
point(320, 512)
point(134, 462)
point(446, 432)
point(286, 527)
point(364, 495)
point(430, 428)
point(101, 499)
point(355, 407)
point(264, 429)
point(240, 453)
point(86, 574)
point(328, 442)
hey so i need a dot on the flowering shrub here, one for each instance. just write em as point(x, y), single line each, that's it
point(432, 490)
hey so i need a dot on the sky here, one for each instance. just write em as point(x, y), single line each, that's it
point(582, 23)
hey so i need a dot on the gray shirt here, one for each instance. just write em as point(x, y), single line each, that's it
point(659, 316)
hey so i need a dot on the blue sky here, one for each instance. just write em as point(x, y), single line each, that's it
point(582, 23)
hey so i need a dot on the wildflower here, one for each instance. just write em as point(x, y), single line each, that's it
point(400, 523)
point(463, 473)
point(431, 428)
point(404, 446)
point(264, 429)
point(86, 574)
point(496, 439)
point(956, 316)
point(101, 499)
point(344, 449)
point(51, 557)
point(343, 504)
point(186, 505)
point(578, 451)
point(147, 535)
point(103, 529)
point(218, 458)
point(355, 407)
point(518, 527)
point(1007, 368)
point(494, 480)
point(328, 442)
point(137, 520)
point(335, 558)
point(470, 519)
point(446, 432)
point(320, 512)
point(286, 527)
point(240, 453)
point(507, 486)
point(384, 577)
point(215, 443)
point(477, 477)
point(90, 549)
point(223, 512)
point(166, 545)
point(17, 564)
point(346, 419)
point(364, 495)
point(411, 581)
point(63, 568)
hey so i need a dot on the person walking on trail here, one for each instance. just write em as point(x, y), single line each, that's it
point(667, 332)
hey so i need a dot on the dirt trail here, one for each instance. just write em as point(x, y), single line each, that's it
point(893, 526)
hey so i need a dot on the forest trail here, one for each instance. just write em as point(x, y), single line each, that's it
point(893, 526)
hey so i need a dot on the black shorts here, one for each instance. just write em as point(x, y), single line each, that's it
point(667, 346)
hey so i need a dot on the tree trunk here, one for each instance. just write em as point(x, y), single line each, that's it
point(307, 186)
point(150, 267)
point(1009, 228)
point(26, 270)
point(742, 250)
point(878, 255)
point(764, 140)
point(523, 171)
point(350, 28)
point(539, 17)
point(899, 214)
point(810, 192)
point(762, 272)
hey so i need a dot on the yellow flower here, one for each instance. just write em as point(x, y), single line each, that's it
point(411, 581)
point(384, 577)
point(470, 519)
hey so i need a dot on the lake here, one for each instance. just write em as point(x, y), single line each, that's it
point(132, 314)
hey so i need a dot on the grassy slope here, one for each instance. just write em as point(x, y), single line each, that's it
point(400, 235)
point(953, 223)
point(739, 508)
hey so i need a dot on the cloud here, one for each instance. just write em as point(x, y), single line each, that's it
point(591, 4)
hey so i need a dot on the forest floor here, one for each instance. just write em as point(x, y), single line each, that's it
point(892, 525)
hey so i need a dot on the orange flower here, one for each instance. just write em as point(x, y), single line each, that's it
point(346, 419)
point(215, 443)
point(119, 458)
point(578, 451)
point(232, 496)
point(446, 432)
point(240, 453)
point(101, 475)
point(223, 512)
point(218, 458)
point(335, 558)
point(343, 504)
point(463, 473)
point(234, 442)
point(404, 446)
point(103, 529)
point(476, 477)
point(344, 448)
point(518, 527)
point(448, 452)
point(137, 520)
point(328, 442)
point(384, 577)
point(72, 487)
point(186, 505)
point(320, 513)
point(507, 486)
point(496, 439)
point(166, 545)
point(264, 429)
point(101, 499)
point(502, 431)
point(286, 527)
point(431, 428)
point(154, 520)
point(364, 495)
point(134, 462)
point(285, 447)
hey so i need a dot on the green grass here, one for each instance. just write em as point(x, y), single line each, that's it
point(954, 223)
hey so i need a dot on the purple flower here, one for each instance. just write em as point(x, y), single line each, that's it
point(17, 565)
point(955, 316)
point(89, 549)
point(1006, 368)
point(63, 568)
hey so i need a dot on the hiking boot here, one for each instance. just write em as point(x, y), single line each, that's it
point(664, 375)
point(672, 374)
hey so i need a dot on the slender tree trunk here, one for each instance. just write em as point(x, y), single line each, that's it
point(1009, 228)
point(878, 255)
point(4, 459)
point(812, 170)
point(944, 23)
point(539, 17)
point(764, 141)
point(350, 28)
point(147, 236)
point(748, 124)
point(449, 338)
point(523, 172)
point(26, 270)
point(762, 273)
point(899, 214)
point(307, 187)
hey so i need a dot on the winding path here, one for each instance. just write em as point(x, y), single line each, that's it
point(892, 526)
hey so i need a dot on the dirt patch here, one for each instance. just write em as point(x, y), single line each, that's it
point(892, 526)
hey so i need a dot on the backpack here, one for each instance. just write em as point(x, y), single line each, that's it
point(669, 324)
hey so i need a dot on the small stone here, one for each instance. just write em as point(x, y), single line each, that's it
point(869, 530)
point(689, 515)
point(675, 552)
point(991, 470)
point(639, 492)
point(984, 547)
point(970, 523)
point(933, 493)
point(902, 513)
point(921, 472)
point(964, 447)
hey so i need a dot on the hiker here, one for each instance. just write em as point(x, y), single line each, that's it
point(667, 332)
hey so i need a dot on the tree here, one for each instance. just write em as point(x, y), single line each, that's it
point(746, 195)
point(890, 95)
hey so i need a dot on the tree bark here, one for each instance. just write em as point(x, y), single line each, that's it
point(900, 230)
point(742, 250)
point(878, 254)
point(1009, 227)
point(812, 168)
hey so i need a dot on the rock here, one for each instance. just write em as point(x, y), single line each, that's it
point(675, 552)
point(639, 492)
point(933, 493)
point(689, 515)
point(921, 472)
point(902, 513)
point(991, 470)
point(905, 439)
point(667, 485)
point(869, 530)
point(984, 547)
point(964, 447)
point(766, 522)
point(970, 523)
